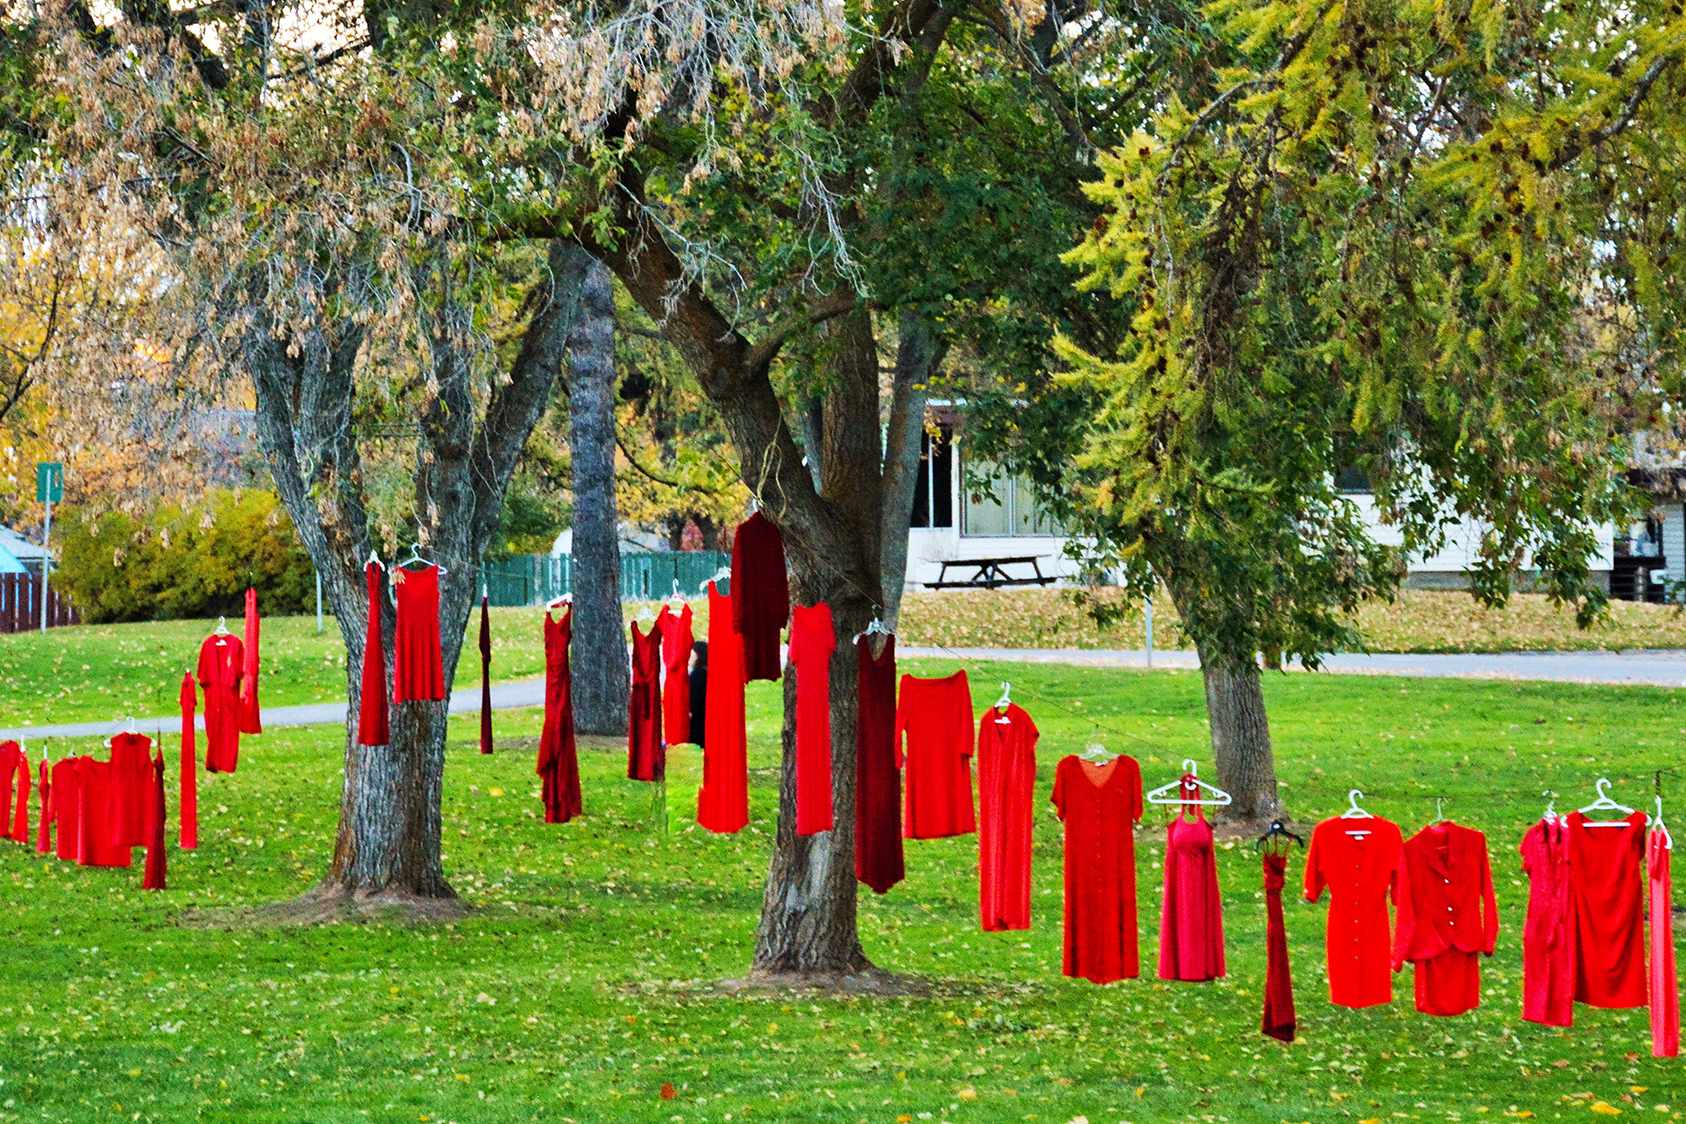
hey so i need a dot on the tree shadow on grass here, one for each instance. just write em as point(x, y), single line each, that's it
point(328, 905)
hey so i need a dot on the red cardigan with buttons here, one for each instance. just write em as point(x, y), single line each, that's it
point(1451, 886)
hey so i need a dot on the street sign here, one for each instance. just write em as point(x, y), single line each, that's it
point(49, 482)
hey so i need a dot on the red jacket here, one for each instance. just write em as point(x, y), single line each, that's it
point(1451, 886)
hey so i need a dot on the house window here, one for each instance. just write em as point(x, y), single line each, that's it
point(933, 490)
point(1352, 481)
point(1008, 508)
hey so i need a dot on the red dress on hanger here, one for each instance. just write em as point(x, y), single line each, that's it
point(14, 765)
point(878, 783)
point(418, 669)
point(66, 809)
point(372, 728)
point(189, 700)
point(1548, 935)
point(1453, 920)
point(760, 595)
point(677, 638)
point(130, 793)
point(812, 640)
point(251, 720)
point(1100, 805)
point(723, 798)
point(1665, 988)
point(94, 845)
point(559, 763)
point(485, 674)
point(1608, 911)
point(44, 829)
point(221, 660)
point(153, 875)
point(20, 809)
point(1278, 1019)
point(1006, 783)
point(1360, 871)
point(1191, 921)
point(646, 754)
point(934, 741)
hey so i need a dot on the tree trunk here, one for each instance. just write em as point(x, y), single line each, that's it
point(602, 683)
point(918, 356)
point(1241, 742)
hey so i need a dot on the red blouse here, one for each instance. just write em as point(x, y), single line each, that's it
point(812, 640)
point(934, 716)
point(1608, 911)
point(1099, 805)
point(1360, 871)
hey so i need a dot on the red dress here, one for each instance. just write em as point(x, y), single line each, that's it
point(677, 639)
point(934, 716)
point(1006, 780)
point(251, 721)
point(878, 783)
point(153, 876)
point(1360, 871)
point(1548, 937)
point(646, 753)
point(65, 811)
point(485, 675)
point(94, 845)
point(130, 793)
point(1191, 922)
point(372, 726)
point(559, 763)
point(189, 767)
point(812, 640)
point(1453, 920)
point(418, 669)
point(44, 829)
point(1665, 989)
point(1608, 911)
point(1278, 1019)
point(723, 798)
point(760, 595)
point(1100, 804)
point(221, 659)
point(14, 763)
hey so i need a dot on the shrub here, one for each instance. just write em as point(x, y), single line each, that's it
point(192, 562)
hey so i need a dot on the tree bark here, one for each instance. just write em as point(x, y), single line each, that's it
point(1241, 743)
point(602, 679)
point(918, 356)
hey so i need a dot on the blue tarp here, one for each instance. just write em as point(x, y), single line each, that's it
point(9, 563)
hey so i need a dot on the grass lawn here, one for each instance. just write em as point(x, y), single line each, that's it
point(582, 985)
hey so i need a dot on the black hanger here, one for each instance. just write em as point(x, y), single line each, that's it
point(1276, 831)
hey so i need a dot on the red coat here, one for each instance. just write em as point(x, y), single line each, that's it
point(1359, 871)
point(1452, 918)
point(1606, 884)
point(812, 640)
point(1100, 804)
point(934, 742)
point(1006, 780)
point(760, 595)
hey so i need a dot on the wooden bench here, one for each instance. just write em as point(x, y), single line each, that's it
point(990, 573)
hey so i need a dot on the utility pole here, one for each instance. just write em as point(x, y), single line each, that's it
point(49, 489)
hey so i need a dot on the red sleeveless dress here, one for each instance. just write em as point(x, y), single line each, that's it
point(418, 670)
point(646, 754)
point(559, 765)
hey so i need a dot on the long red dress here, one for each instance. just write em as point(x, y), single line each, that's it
point(418, 669)
point(485, 675)
point(1665, 988)
point(1360, 871)
point(44, 829)
point(1548, 934)
point(878, 783)
point(1100, 804)
point(153, 876)
point(1453, 920)
point(129, 796)
point(1191, 922)
point(1006, 783)
point(760, 595)
point(723, 798)
point(934, 742)
point(66, 809)
point(221, 659)
point(677, 639)
point(372, 724)
point(14, 798)
point(812, 640)
point(189, 700)
point(646, 753)
point(1608, 911)
point(251, 719)
point(1278, 1019)
point(559, 763)
point(94, 846)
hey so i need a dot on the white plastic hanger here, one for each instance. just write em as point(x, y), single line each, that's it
point(1605, 804)
point(1668, 839)
point(678, 599)
point(1439, 811)
point(556, 602)
point(374, 560)
point(1354, 812)
point(646, 616)
point(877, 628)
point(1002, 703)
point(221, 631)
point(1096, 751)
point(416, 558)
point(1551, 806)
point(128, 728)
point(1172, 793)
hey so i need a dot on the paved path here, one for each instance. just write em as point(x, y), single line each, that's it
point(1649, 668)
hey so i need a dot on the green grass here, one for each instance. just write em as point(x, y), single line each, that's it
point(581, 985)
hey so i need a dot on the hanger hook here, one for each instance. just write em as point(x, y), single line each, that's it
point(1353, 796)
point(1189, 766)
point(1603, 786)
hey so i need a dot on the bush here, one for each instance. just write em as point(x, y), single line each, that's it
point(181, 563)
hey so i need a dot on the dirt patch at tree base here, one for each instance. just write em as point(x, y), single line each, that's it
point(333, 906)
point(873, 981)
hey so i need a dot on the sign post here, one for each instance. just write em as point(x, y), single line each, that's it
point(49, 489)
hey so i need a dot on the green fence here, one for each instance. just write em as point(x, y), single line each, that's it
point(533, 579)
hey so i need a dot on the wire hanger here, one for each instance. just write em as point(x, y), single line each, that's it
point(1354, 812)
point(1275, 832)
point(1605, 804)
point(1164, 793)
point(1002, 703)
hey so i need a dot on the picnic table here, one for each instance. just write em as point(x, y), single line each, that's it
point(991, 573)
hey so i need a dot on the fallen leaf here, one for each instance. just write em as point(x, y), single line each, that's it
point(1604, 1109)
point(668, 1092)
